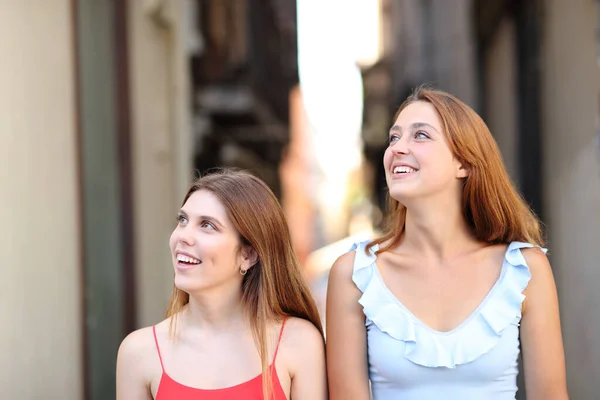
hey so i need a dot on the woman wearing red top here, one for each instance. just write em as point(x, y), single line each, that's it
point(241, 323)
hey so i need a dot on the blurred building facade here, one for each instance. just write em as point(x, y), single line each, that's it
point(40, 312)
point(242, 73)
point(95, 142)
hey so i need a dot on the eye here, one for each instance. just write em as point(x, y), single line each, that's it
point(421, 135)
point(182, 219)
point(207, 225)
point(393, 139)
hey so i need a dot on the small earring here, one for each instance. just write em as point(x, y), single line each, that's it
point(243, 271)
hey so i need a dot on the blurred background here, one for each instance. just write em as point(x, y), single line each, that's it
point(109, 107)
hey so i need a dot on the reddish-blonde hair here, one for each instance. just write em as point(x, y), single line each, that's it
point(274, 288)
point(491, 204)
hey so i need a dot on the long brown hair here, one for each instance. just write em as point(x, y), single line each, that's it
point(274, 288)
point(491, 204)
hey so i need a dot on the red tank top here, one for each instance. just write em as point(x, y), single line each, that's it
point(169, 389)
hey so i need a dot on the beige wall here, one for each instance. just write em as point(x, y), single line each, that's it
point(161, 143)
point(40, 335)
point(572, 181)
point(500, 89)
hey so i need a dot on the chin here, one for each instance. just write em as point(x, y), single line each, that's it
point(402, 194)
point(186, 284)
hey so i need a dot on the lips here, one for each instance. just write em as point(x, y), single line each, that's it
point(186, 261)
point(403, 169)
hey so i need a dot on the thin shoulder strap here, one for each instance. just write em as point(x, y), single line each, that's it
point(279, 340)
point(158, 348)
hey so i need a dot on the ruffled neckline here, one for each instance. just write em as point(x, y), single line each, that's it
point(431, 348)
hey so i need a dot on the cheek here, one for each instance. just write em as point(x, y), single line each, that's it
point(219, 248)
point(387, 159)
point(438, 166)
point(173, 240)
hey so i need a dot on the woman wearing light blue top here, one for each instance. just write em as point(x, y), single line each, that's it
point(439, 307)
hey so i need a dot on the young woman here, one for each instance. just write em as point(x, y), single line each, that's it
point(241, 323)
point(437, 308)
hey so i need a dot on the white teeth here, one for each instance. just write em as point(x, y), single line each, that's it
point(181, 257)
point(402, 169)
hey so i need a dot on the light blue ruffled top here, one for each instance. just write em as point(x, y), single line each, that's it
point(476, 360)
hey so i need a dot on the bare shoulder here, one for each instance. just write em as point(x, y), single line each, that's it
point(138, 349)
point(300, 333)
point(534, 255)
point(538, 263)
point(138, 365)
point(540, 333)
point(343, 267)
point(301, 344)
point(138, 345)
point(541, 287)
point(342, 291)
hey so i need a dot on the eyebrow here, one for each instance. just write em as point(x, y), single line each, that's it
point(415, 125)
point(204, 217)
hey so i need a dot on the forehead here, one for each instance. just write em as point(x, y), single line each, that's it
point(420, 111)
point(204, 202)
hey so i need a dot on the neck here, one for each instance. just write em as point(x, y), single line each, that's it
point(437, 228)
point(215, 310)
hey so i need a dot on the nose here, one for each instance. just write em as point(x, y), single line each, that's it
point(185, 235)
point(401, 146)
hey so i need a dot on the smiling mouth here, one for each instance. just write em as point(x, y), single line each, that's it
point(403, 170)
point(187, 260)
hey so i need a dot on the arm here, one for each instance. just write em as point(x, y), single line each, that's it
point(132, 382)
point(347, 364)
point(307, 372)
point(543, 354)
